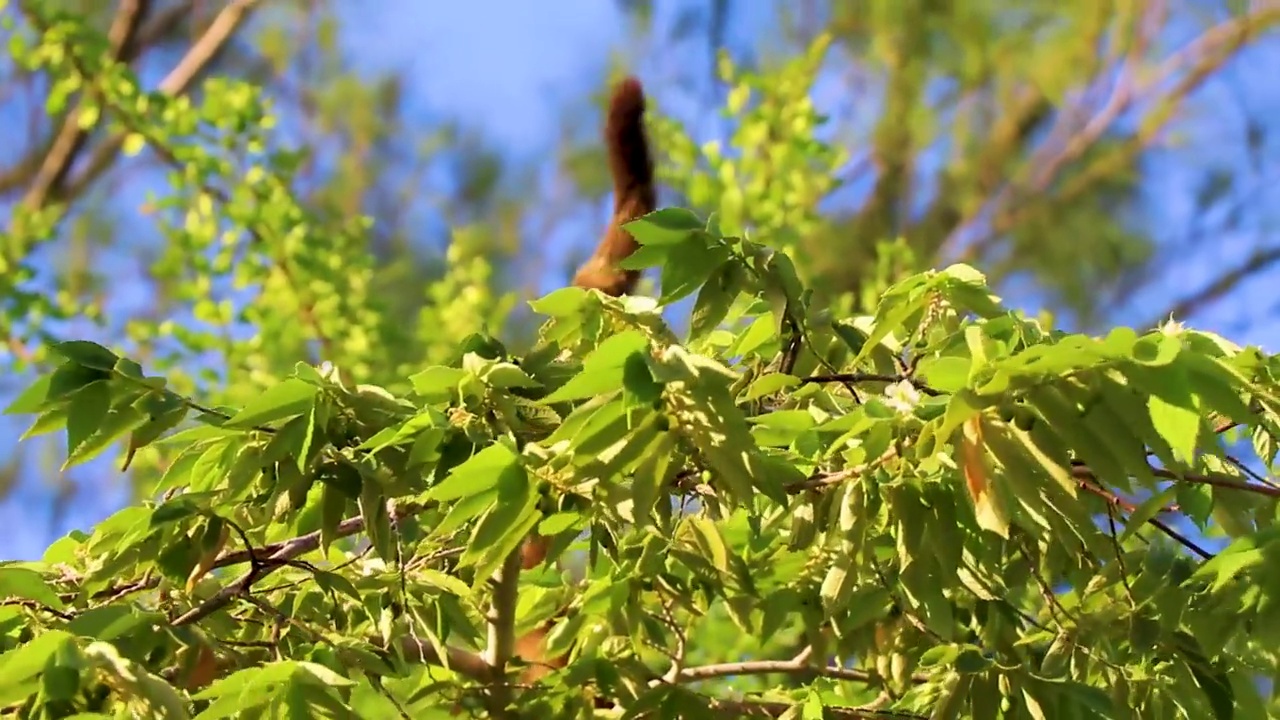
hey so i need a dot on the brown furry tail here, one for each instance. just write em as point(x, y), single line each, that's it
point(631, 165)
point(633, 196)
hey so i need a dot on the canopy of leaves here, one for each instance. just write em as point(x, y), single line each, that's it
point(940, 509)
point(924, 511)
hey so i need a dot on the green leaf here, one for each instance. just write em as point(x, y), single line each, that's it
point(1148, 510)
point(710, 543)
point(1241, 555)
point(478, 474)
point(1212, 679)
point(289, 441)
point(837, 586)
point(506, 375)
point(901, 301)
point(769, 384)
point(238, 682)
point(639, 388)
point(667, 226)
point(179, 507)
point(760, 334)
point(468, 508)
point(377, 523)
point(27, 584)
point(946, 374)
point(88, 354)
point(48, 421)
point(955, 691)
point(505, 525)
point(284, 399)
point(108, 622)
point(333, 507)
point(1218, 386)
point(118, 421)
point(85, 413)
point(437, 383)
point(1156, 349)
point(689, 265)
point(70, 378)
point(602, 370)
point(560, 303)
point(25, 661)
point(650, 477)
point(32, 399)
point(164, 411)
point(714, 300)
point(971, 660)
point(1178, 422)
point(324, 675)
point(647, 256)
point(1067, 422)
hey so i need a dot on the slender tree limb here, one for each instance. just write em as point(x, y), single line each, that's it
point(161, 25)
point(856, 378)
point(1009, 135)
point(772, 667)
point(298, 546)
point(799, 665)
point(177, 82)
point(1196, 61)
point(1221, 481)
point(71, 137)
point(1123, 94)
point(502, 631)
point(467, 664)
point(1261, 259)
point(1090, 484)
point(766, 708)
point(210, 43)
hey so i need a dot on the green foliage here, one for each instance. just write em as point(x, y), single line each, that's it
point(244, 258)
point(774, 171)
point(968, 513)
point(937, 509)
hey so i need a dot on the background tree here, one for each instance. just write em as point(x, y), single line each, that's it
point(1037, 144)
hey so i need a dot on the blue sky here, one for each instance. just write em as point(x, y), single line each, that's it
point(505, 66)
point(480, 59)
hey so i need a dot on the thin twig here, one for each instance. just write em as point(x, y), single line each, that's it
point(870, 377)
point(1088, 483)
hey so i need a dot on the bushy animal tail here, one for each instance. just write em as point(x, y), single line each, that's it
point(631, 165)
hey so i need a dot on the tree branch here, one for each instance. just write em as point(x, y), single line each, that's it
point(1090, 485)
point(1199, 59)
point(467, 664)
point(502, 631)
point(766, 708)
point(298, 546)
point(1261, 259)
point(161, 25)
point(780, 667)
point(177, 82)
point(71, 137)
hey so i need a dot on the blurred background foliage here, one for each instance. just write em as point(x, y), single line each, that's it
point(1108, 162)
